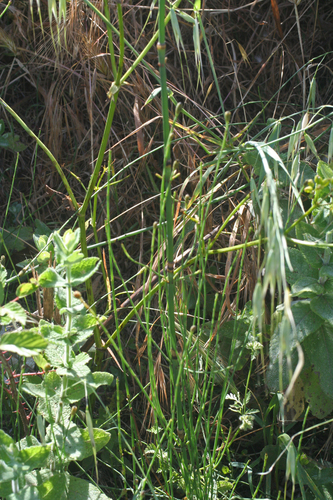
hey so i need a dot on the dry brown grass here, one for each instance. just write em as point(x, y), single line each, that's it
point(62, 93)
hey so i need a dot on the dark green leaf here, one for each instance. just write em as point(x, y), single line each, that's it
point(306, 320)
point(323, 307)
point(321, 406)
point(78, 488)
point(318, 347)
point(300, 266)
point(11, 141)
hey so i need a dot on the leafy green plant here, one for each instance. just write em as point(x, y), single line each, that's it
point(39, 469)
point(9, 140)
point(311, 281)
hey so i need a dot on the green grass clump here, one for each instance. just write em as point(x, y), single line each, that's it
point(167, 331)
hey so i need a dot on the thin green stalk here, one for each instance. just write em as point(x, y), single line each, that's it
point(94, 178)
point(110, 40)
point(139, 57)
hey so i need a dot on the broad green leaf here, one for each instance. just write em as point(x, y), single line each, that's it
point(326, 272)
point(318, 348)
point(54, 354)
point(307, 287)
point(74, 257)
point(328, 286)
point(55, 334)
point(41, 241)
point(66, 244)
point(323, 307)
point(69, 440)
point(252, 157)
point(27, 442)
point(15, 238)
point(6, 488)
point(321, 406)
point(75, 310)
point(61, 300)
point(306, 228)
point(77, 367)
point(300, 267)
point(37, 390)
point(41, 362)
point(324, 170)
point(84, 325)
point(35, 456)
point(306, 322)
point(101, 439)
point(42, 229)
point(5, 439)
point(83, 270)
point(43, 258)
point(48, 407)
point(101, 378)
point(26, 289)
point(71, 239)
point(51, 279)
point(76, 389)
point(75, 371)
point(80, 489)
point(24, 343)
point(26, 493)
point(11, 141)
point(14, 312)
point(313, 255)
point(55, 488)
point(8, 472)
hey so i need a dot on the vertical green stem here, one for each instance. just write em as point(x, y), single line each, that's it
point(167, 214)
point(166, 200)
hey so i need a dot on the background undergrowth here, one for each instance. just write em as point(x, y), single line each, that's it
point(165, 237)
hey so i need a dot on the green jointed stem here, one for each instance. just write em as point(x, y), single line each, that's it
point(167, 202)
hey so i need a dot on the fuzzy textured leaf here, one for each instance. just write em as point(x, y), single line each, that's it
point(83, 270)
point(24, 343)
point(51, 279)
point(14, 312)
